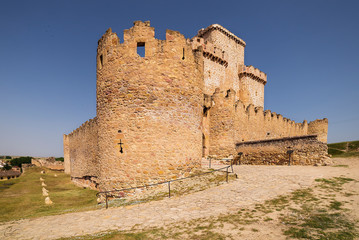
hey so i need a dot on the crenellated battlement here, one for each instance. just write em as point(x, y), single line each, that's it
point(320, 128)
point(225, 31)
point(210, 51)
point(251, 110)
point(141, 37)
point(86, 125)
point(109, 38)
point(252, 72)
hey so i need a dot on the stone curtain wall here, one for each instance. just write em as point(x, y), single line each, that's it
point(307, 150)
point(149, 108)
point(252, 123)
point(81, 152)
point(67, 164)
point(232, 122)
point(49, 163)
point(320, 128)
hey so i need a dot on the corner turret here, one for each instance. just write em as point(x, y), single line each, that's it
point(251, 85)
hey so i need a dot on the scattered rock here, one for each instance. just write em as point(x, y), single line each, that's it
point(55, 175)
point(41, 179)
point(48, 201)
point(42, 172)
point(45, 192)
point(43, 184)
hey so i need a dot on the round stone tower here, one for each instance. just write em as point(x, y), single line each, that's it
point(149, 107)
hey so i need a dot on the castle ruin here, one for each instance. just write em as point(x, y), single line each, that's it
point(159, 114)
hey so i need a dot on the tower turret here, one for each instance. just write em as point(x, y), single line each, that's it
point(149, 108)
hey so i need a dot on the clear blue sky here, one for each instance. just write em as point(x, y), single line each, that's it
point(309, 49)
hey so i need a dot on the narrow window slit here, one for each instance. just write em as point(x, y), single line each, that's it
point(101, 61)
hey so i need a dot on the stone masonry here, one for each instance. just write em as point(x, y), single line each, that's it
point(160, 113)
point(304, 150)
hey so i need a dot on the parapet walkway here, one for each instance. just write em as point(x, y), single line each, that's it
point(255, 184)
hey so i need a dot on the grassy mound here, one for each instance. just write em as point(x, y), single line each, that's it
point(344, 149)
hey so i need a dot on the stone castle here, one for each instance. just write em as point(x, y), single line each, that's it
point(159, 114)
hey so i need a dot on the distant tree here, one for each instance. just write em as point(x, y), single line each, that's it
point(7, 167)
point(20, 160)
point(8, 157)
point(61, 159)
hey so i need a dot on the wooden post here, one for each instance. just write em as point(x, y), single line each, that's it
point(106, 202)
point(169, 189)
point(227, 175)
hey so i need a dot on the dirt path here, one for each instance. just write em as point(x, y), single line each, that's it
point(255, 185)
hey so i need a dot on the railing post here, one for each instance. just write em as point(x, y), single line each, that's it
point(169, 189)
point(227, 175)
point(106, 202)
point(209, 163)
point(289, 152)
point(232, 165)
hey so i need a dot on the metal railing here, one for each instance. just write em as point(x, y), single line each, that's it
point(109, 193)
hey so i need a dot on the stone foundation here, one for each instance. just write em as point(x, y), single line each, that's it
point(307, 150)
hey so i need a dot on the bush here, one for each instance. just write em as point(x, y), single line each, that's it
point(7, 167)
point(61, 159)
point(19, 161)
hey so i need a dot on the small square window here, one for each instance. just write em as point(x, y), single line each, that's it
point(141, 49)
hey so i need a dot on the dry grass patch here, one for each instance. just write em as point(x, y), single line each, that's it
point(311, 213)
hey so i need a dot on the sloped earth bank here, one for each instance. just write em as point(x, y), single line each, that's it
point(266, 202)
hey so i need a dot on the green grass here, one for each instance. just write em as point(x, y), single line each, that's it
point(354, 146)
point(344, 149)
point(22, 197)
point(339, 146)
point(344, 166)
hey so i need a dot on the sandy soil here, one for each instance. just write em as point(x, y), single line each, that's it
point(256, 185)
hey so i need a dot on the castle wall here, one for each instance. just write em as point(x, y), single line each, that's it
point(232, 48)
point(214, 75)
point(307, 150)
point(149, 108)
point(252, 123)
point(319, 127)
point(81, 157)
point(49, 163)
point(232, 122)
point(66, 154)
point(251, 86)
point(222, 125)
point(251, 91)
